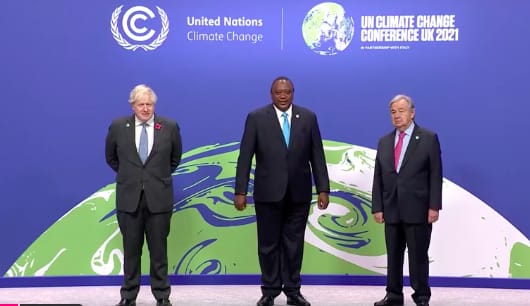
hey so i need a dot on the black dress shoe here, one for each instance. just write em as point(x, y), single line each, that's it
point(163, 302)
point(388, 301)
point(422, 300)
point(298, 300)
point(126, 302)
point(265, 300)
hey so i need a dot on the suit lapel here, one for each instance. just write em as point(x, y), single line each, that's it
point(388, 145)
point(130, 128)
point(275, 123)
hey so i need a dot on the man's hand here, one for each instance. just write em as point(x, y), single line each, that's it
point(323, 200)
point(433, 216)
point(378, 217)
point(240, 201)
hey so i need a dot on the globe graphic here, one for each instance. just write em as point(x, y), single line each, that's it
point(327, 29)
point(210, 237)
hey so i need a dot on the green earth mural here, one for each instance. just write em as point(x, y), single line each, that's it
point(210, 237)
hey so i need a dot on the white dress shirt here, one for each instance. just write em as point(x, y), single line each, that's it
point(279, 113)
point(150, 133)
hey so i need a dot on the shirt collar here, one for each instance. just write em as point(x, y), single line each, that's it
point(408, 131)
point(279, 112)
point(149, 122)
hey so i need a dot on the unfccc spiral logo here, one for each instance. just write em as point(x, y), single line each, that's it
point(135, 30)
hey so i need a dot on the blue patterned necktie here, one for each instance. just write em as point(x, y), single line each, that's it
point(142, 146)
point(286, 129)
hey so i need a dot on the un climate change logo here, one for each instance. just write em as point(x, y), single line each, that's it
point(327, 29)
point(138, 34)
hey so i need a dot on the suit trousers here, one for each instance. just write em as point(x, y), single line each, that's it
point(281, 230)
point(155, 228)
point(416, 237)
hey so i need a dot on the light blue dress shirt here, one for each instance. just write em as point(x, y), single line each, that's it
point(406, 140)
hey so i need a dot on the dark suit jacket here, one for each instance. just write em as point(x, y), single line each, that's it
point(279, 167)
point(132, 176)
point(407, 196)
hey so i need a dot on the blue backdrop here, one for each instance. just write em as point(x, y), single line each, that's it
point(65, 77)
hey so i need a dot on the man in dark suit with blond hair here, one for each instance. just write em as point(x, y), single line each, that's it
point(144, 149)
point(407, 197)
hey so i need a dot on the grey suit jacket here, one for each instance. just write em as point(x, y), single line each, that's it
point(407, 196)
point(279, 166)
point(155, 176)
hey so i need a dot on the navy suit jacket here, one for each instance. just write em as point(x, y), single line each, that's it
point(155, 176)
point(407, 196)
point(279, 166)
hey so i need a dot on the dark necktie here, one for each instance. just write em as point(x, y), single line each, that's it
point(286, 129)
point(397, 149)
point(142, 147)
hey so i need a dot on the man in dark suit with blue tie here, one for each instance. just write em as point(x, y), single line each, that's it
point(285, 140)
point(407, 197)
point(144, 149)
